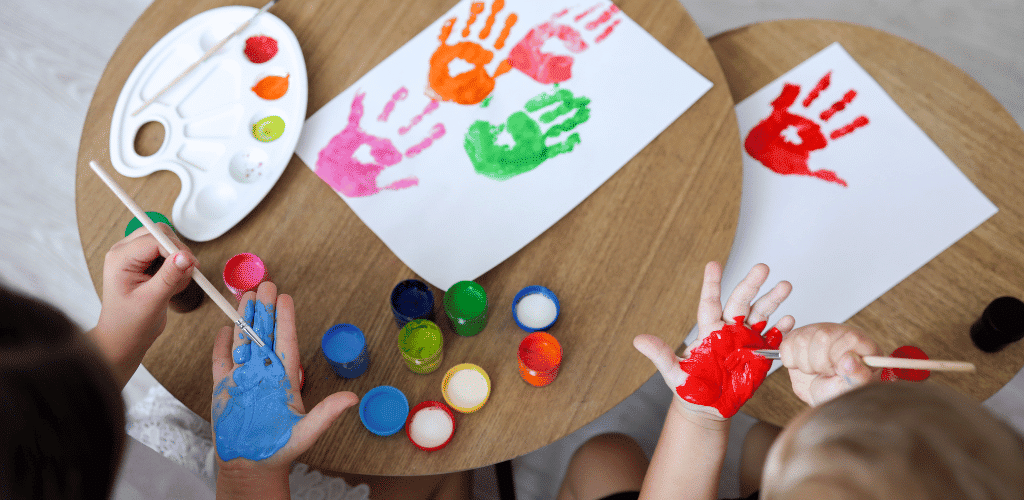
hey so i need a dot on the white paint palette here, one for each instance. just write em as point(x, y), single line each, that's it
point(210, 117)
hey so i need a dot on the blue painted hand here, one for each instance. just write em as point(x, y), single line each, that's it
point(257, 412)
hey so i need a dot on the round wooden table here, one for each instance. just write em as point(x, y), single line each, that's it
point(934, 307)
point(627, 260)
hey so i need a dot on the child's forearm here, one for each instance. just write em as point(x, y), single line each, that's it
point(688, 459)
point(123, 355)
point(269, 484)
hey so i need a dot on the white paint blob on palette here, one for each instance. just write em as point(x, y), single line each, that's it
point(220, 136)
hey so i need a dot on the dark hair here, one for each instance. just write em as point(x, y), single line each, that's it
point(61, 413)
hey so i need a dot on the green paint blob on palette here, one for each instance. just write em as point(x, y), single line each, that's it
point(268, 129)
point(230, 126)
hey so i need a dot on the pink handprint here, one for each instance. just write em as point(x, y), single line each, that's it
point(767, 143)
point(338, 167)
point(546, 67)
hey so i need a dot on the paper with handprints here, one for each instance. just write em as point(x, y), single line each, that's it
point(492, 124)
point(844, 196)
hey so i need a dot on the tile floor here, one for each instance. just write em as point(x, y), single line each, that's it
point(52, 53)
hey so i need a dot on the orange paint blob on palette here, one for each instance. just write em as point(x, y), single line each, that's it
point(271, 87)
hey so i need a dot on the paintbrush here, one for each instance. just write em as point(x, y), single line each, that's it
point(169, 246)
point(207, 55)
point(888, 362)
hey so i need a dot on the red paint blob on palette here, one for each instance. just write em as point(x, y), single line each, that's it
point(910, 352)
point(260, 49)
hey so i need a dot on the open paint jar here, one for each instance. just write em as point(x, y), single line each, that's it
point(411, 299)
point(344, 346)
point(465, 304)
point(430, 426)
point(244, 272)
point(540, 356)
point(466, 387)
point(383, 410)
point(421, 345)
point(535, 308)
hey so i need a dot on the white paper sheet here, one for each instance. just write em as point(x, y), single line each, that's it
point(443, 219)
point(842, 247)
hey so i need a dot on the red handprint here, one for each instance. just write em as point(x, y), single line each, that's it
point(723, 370)
point(767, 143)
point(546, 67)
point(474, 85)
point(337, 165)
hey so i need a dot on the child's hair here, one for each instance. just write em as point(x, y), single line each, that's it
point(897, 440)
point(61, 413)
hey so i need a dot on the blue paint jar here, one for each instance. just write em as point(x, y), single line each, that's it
point(345, 348)
point(549, 303)
point(411, 299)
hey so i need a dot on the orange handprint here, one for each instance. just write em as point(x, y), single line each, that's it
point(474, 85)
point(767, 143)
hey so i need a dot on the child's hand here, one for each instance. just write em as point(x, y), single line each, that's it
point(259, 421)
point(824, 360)
point(719, 372)
point(135, 304)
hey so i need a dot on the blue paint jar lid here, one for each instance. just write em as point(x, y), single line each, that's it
point(384, 410)
point(530, 290)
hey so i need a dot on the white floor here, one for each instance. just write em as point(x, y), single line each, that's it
point(52, 53)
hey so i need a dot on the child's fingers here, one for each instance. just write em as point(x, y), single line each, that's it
point(222, 361)
point(741, 297)
point(663, 358)
point(769, 302)
point(309, 429)
point(287, 344)
point(775, 334)
point(709, 311)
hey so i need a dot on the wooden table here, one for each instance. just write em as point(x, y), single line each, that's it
point(935, 306)
point(627, 260)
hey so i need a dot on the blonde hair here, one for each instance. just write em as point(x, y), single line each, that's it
point(896, 440)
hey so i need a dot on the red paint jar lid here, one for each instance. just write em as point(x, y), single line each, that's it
point(910, 352)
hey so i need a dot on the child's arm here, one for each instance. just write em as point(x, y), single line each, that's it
point(135, 304)
point(717, 374)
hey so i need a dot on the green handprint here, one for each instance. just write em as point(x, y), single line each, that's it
point(501, 162)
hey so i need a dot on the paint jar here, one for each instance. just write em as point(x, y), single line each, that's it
point(422, 345)
point(430, 426)
point(535, 308)
point(466, 387)
point(383, 410)
point(1001, 324)
point(465, 304)
point(186, 300)
point(344, 346)
point(244, 272)
point(540, 356)
point(411, 299)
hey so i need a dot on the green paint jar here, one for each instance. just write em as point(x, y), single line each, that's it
point(465, 304)
point(421, 344)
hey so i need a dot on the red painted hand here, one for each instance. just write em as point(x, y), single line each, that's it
point(719, 372)
point(546, 67)
point(474, 85)
point(768, 144)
